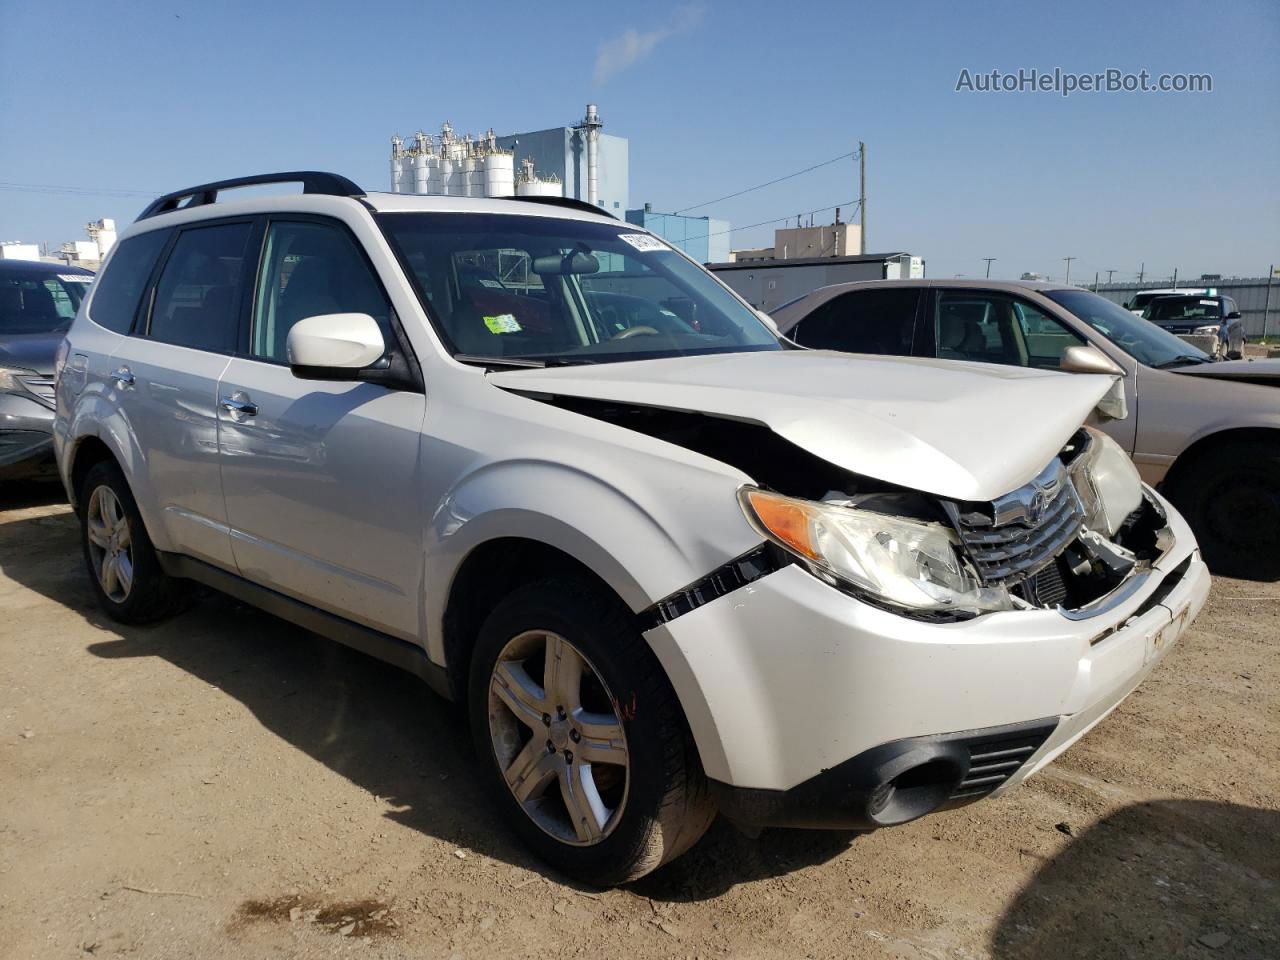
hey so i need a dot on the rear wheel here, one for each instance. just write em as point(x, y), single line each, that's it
point(1231, 498)
point(123, 566)
point(581, 737)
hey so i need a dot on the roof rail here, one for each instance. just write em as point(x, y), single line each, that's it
point(573, 204)
point(313, 181)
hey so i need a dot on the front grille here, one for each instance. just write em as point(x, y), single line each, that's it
point(993, 761)
point(41, 386)
point(1050, 517)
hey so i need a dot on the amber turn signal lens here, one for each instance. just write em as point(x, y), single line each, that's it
point(785, 519)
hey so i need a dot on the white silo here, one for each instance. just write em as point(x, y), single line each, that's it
point(420, 173)
point(499, 174)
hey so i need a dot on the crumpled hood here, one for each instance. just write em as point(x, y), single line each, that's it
point(970, 431)
point(1262, 370)
point(34, 351)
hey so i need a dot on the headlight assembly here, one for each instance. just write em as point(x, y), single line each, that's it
point(10, 381)
point(906, 563)
point(1107, 482)
point(1207, 331)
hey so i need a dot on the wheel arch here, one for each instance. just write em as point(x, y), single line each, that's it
point(88, 451)
point(490, 572)
point(1213, 443)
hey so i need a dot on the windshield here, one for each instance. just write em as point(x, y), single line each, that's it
point(1139, 338)
point(539, 289)
point(36, 301)
point(1171, 309)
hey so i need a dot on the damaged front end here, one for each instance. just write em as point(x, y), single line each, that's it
point(1067, 539)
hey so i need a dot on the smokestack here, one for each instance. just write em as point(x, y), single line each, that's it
point(590, 126)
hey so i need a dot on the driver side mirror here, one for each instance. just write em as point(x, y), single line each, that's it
point(1084, 359)
point(1233, 315)
point(334, 346)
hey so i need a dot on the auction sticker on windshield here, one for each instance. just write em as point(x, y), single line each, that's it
point(643, 242)
point(75, 278)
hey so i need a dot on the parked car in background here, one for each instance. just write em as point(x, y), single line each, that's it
point(1200, 316)
point(1139, 301)
point(666, 564)
point(37, 304)
point(1207, 433)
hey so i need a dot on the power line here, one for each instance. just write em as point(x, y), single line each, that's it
point(718, 233)
point(77, 191)
point(824, 163)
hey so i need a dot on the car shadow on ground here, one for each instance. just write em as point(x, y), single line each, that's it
point(379, 727)
point(1168, 878)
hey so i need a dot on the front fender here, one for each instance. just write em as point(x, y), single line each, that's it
point(644, 542)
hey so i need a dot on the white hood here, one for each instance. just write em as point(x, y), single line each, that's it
point(969, 431)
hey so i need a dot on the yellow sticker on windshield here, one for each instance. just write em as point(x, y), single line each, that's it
point(502, 323)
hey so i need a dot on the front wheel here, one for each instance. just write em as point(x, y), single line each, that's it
point(581, 737)
point(1231, 499)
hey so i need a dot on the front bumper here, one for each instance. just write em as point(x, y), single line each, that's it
point(786, 680)
point(26, 431)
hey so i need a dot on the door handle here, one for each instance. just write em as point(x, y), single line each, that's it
point(123, 378)
point(239, 406)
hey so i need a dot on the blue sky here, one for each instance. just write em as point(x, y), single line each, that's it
point(713, 96)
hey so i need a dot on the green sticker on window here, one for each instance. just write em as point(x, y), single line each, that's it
point(502, 323)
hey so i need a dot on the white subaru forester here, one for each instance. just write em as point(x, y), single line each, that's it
point(667, 562)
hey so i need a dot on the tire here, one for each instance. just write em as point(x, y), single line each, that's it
point(1231, 499)
point(112, 532)
point(652, 798)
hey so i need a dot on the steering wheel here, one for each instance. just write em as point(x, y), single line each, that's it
point(641, 330)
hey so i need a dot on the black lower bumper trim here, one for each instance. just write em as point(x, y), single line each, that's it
point(894, 782)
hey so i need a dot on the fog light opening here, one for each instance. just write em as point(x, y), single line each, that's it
point(912, 794)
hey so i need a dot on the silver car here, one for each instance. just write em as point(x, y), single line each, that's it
point(1207, 433)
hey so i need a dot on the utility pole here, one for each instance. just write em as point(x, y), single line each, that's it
point(989, 261)
point(1175, 278)
point(1266, 310)
point(862, 194)
point(1068, 260)
point(1141, 269)
point(1110, 273)
point(1095, 281)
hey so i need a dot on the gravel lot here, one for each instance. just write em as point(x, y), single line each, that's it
point(225, 785)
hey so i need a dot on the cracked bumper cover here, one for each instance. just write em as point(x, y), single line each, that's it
point(798, 695)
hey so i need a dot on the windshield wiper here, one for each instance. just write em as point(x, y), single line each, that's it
point(480, 361)
point(1179, 360)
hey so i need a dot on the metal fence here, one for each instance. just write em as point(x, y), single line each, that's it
point(1258, 298)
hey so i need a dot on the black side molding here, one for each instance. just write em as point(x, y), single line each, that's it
point(738, 572)
point(313, 181)
point(399, 653)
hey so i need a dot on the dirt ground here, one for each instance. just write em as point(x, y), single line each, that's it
point(225, 785)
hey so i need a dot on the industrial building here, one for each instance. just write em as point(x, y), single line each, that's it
point(706, 239)
point(768, 284)
point(577, 161)
point(792, 243)
point(85, 253)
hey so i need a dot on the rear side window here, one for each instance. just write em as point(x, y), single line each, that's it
point(864, 321)
point(119, 289)
point(197, 301)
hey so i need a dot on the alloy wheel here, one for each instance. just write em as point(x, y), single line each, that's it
point(110, 544)
point(558, 738)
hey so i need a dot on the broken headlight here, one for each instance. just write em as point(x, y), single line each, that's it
point(1107, 482)
point(907, 563)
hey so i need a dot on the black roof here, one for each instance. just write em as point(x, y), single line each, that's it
point(40, 266)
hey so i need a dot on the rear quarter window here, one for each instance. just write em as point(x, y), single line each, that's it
point(119, 289)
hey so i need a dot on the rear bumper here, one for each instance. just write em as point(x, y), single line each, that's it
point(802, 699)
